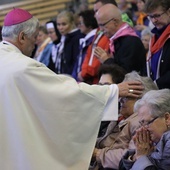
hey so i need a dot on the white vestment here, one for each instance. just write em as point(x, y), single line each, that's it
point(47, 121)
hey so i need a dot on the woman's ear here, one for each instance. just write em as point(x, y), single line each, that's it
point(167, 119)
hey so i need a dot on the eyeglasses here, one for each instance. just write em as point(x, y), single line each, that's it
point(102, 25)
point(155, 16)
point(143, 123)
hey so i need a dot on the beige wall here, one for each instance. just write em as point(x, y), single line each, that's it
point(8, 1)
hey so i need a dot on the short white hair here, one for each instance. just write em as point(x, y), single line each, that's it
point(146, 31)
point(28, 27)
point(158, 102)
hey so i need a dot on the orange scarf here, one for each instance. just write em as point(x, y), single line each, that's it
point(156, 45)
point(140, 20)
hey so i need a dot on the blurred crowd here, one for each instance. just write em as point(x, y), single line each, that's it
point(67, 44)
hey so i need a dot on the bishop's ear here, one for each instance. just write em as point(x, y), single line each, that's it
point(21, 37)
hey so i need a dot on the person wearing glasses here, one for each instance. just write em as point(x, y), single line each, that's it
point(158, 60)
point(126, 47)
point(142, 21)
point(109, 74)
point(117, 140)
point(152, 140)
point(91, 64)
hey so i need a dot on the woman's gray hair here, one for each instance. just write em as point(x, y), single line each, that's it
point(158, 102)
point(146, 81)
point(28, 27)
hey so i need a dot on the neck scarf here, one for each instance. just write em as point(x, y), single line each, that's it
point(84, 42)
point(155, 53)
point(124, 30)
point(156, 45)
point(96, 39)
point(60, 48)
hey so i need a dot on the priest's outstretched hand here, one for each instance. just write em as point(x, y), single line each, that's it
point(130, 89)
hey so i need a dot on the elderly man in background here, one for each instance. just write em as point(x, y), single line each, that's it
point(44, 117)
point(126, 47)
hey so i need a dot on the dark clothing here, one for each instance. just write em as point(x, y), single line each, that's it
point(162, 64)
point(164, 80)
point(82, 54)
point(129, 54)
point(51, 64)
point(70, 52)
point(103, 128)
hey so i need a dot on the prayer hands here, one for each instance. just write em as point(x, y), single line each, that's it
point(144, 145)
point(101, 54)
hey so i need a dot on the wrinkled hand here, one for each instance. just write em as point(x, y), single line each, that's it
point(130, 89)
point(101, 54)
point(94, 152)
point(144, 145)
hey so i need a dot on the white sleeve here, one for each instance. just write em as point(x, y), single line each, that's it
point(111, 108)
